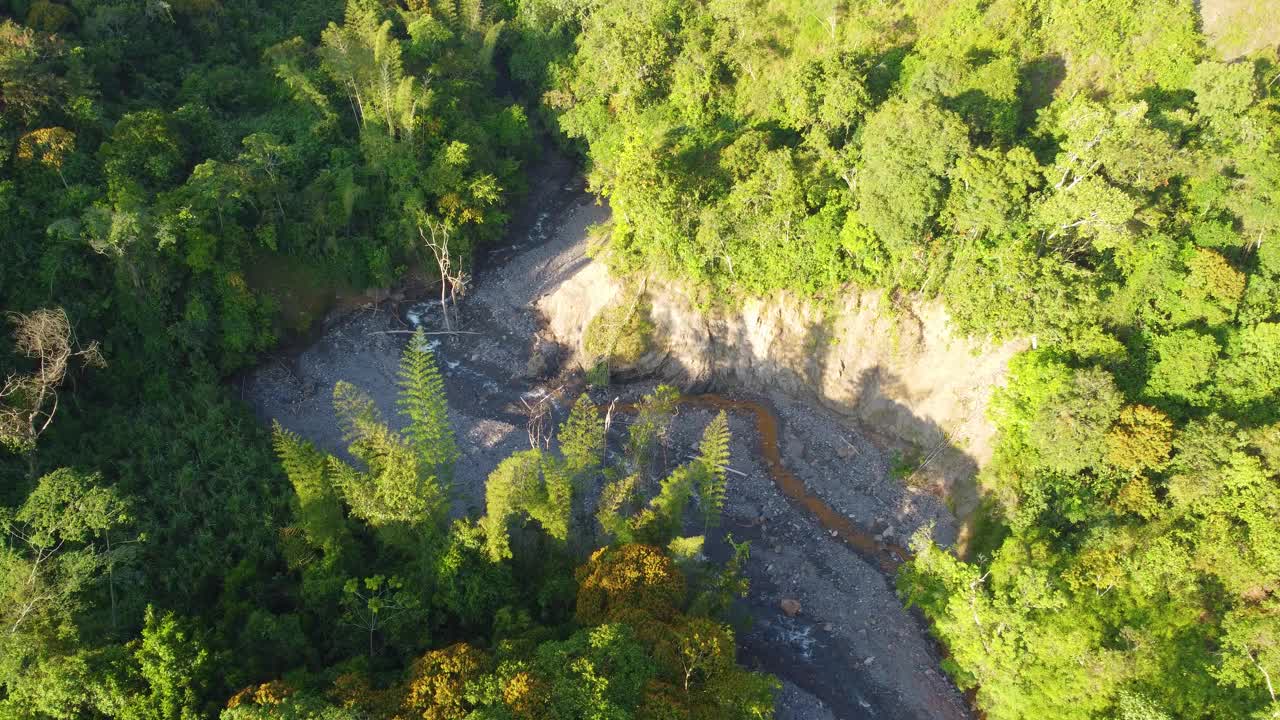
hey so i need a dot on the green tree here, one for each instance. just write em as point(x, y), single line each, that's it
point(395, 488)
point(422, 401)
point(711, 471)
point(909, 146)
point(318, 509)
point(57, 550)
point(1250, 369)
point(377, 604)
point(526, 483)
point(582, 438)
point(1183, 367)
point(170, 673)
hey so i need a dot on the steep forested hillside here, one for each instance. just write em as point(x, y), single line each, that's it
point(185, 182)
point(1081, 173)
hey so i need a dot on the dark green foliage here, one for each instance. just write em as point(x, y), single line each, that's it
point(188, 183)
point(188, 180)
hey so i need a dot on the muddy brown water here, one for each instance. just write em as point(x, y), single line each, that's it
point(886, 556)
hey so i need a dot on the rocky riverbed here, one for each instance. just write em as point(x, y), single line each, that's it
point(821, 614)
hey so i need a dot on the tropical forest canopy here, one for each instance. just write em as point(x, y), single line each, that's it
point(178, 178)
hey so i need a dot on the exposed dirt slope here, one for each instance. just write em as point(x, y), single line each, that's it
point(901, 374)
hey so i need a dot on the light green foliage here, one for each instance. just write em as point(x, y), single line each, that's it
point(611, 510)
point(55, 553)
point(649, 431)
point(362, 57)
point(1224, 92)
point(1182, 368)
point(174, 666)
point(1250, 369)
point(660, 521)
point(989, 190)
point(622, 511)
point(1076, 173)
point(1060, 415)
point(526, 483)
point(1212, 290)
point(396, 485)
point(597, 671)
point(1132, 706)
point(319, 511)
point(582, 439)
point(422, 401)
point(1069, 429)
point(686, 550)
point(1008, 634)
point(1124, 46)
point(142, 153)
point(910, 146)
point(710, 474)
point(1252, 646)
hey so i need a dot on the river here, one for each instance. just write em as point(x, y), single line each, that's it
point(812, 493)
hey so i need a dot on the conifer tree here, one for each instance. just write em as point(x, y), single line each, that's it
point(318, 511)
point(357, 415)
point(396, 486)
point(422, 401)
point(661, 520)
point(613, 500)
point(709, 471)
point(650, 428)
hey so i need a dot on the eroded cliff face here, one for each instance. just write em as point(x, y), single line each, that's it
point(902, 374)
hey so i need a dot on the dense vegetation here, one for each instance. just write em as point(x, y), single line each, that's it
point(177, 179)
point(183, 184)
point(1082, 173)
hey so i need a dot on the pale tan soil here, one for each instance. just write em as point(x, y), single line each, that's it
point(901, 374)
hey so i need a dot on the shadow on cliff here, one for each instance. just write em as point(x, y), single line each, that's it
point(802, 364)
point(928, 457)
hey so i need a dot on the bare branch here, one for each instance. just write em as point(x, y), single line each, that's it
point(29, 401)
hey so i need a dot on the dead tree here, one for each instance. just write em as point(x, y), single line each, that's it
point(452, 280)
point(28, 401)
